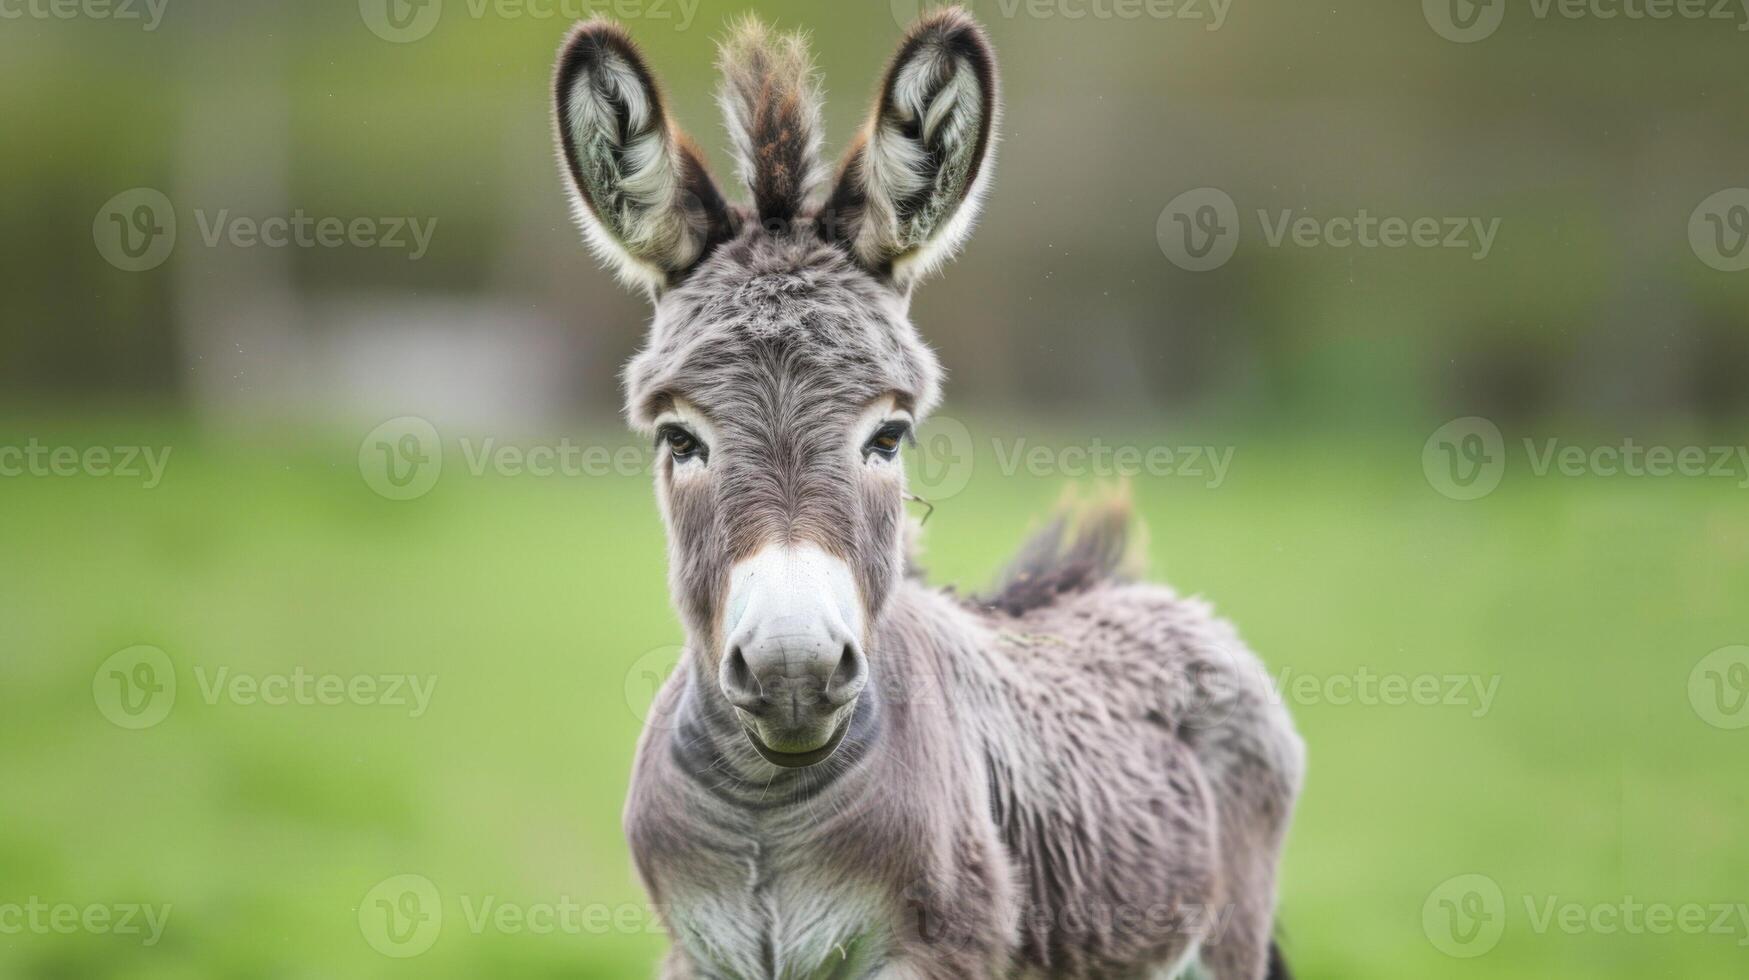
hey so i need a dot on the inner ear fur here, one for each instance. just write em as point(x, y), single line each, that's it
point(642, 193)
point(909, 187)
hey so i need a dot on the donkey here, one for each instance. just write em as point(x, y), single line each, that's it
point(852, 775)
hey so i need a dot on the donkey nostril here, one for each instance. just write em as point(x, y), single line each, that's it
point(739, 685)
point(848, 677)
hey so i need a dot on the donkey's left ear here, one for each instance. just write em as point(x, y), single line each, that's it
point(650, 208)
point(909, 187)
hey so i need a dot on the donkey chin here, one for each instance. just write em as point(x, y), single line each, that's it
point(793, 666)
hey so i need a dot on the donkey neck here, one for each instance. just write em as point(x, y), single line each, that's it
point(709, 745)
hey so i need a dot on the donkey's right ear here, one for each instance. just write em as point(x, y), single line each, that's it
point(650, 209)
point(909, 188)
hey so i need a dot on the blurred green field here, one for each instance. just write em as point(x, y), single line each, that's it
point(531, 601)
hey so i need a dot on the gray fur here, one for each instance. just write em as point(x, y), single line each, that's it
point(1079, 777)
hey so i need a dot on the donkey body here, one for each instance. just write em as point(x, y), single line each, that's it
point(853, 775)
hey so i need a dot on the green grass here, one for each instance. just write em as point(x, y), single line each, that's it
point(1590, 780)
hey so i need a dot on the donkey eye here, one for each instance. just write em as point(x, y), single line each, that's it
point(682, 445)
point(887, 439)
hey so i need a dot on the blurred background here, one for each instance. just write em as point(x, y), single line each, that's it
point(331, 588)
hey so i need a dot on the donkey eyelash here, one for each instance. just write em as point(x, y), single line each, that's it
point(888, 439)
point(682, 444)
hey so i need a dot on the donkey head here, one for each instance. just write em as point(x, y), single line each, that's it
point(781, 374)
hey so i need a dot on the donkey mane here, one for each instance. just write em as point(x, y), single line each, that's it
point(1083, 546)
point(770, 97)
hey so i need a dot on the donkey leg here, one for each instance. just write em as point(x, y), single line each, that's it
point(1240, 950)
point(1256, 764)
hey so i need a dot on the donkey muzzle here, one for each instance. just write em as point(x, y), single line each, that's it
point(793, 665)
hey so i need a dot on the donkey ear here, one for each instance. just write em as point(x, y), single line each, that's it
point(909, 187)
point(643, 196)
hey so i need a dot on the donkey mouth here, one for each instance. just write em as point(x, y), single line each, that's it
point(798, 760)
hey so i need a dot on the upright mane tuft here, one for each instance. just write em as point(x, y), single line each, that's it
point(771, 99)
point(1085, 544)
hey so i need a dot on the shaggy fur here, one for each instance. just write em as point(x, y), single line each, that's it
point(1078, 778)
point(912, 184)
point(1080, 549)
point(771, 98)
point(640, 188)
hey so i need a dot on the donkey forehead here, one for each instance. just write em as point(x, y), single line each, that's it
point(767, 325)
